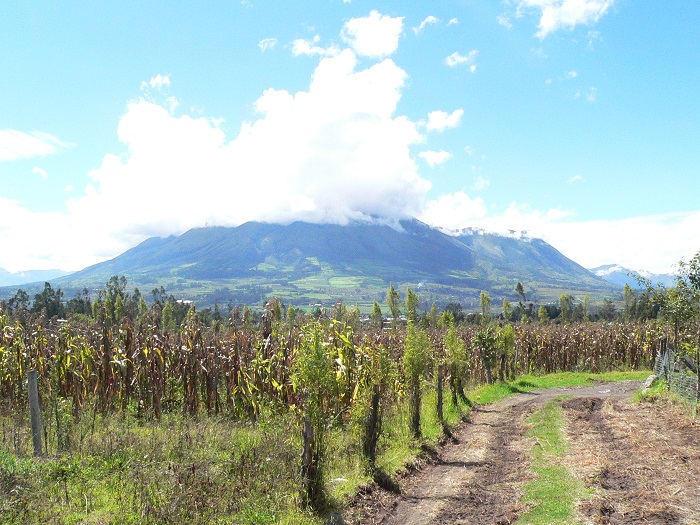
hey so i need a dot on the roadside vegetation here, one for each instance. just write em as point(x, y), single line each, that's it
point(158, 413)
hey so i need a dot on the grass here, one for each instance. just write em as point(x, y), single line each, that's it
point(555, 490)
point(122, 469)
point(497, 391)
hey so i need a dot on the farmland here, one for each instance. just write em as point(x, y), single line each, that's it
point(148, 422)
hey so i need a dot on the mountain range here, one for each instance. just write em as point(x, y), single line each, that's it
point(308, 264)
point(31, 276)
point(620, 276)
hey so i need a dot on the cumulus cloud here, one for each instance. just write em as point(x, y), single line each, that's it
point(310, 47)
point(575, 179)
point(565, 14)
point(334, 152)
point(41, 172)
point(441, 120)
point(374, 36)
point(157, 82)
point(16, 145)
point(454, 211)
point(267, 43)
point(428, 21)
point(457, 59)
point(571, 74)
point(667, 238)
point(453, 22)
point(434, 158)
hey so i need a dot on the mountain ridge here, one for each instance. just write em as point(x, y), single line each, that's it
point(305, 263)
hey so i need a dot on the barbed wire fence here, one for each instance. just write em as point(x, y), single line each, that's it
point(679, 371)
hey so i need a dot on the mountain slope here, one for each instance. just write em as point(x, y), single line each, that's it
point(31, 276)
point(309, 263)
point(620, 276)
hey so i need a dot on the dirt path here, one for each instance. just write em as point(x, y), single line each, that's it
point(642, 461)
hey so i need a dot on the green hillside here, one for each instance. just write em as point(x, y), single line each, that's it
point(307, 264)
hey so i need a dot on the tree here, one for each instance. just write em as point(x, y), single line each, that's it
point(393, 302)
point(19, 303)
point(432, 317)
point(80, 304)
point(411, 306)
point(456, 310)
point(586, 314)
point(542, 314)
point(376, 317)
point(630, 303)
point(485, 343)
point(566, 307)
point(48, 302)
point(416, 361)
point(485, 302)
point(507, 310)
point(608, 311)
point(520, 291)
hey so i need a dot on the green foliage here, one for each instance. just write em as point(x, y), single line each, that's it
point(376, 317)
point(393, 302)
point(416, 362)
point(411, 306)
point(486, 345)
point(485, 303)
point(566, 308)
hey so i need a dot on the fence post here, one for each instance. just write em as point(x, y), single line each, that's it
point(35, 410)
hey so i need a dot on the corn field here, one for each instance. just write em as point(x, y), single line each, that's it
point(237, 371)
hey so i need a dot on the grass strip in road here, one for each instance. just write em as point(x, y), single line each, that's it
point(497, 391)
point(555, 490)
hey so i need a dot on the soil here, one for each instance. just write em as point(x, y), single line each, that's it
point(640, 460)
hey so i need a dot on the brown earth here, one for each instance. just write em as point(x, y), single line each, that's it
point(641, 460)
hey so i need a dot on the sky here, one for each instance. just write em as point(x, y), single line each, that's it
point(576, 121)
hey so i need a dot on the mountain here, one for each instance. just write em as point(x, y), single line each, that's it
point(31, 276)
point(306, 263)
point(616, 274)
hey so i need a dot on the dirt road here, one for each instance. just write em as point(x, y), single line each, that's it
point(643, 460)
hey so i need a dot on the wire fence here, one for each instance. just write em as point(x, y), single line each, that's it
point(679, 371)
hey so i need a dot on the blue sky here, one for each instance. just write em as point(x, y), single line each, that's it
point(577, 121)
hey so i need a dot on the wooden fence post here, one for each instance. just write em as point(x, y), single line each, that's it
point(35, 410)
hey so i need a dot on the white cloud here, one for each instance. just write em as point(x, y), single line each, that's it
point(309, 48)
point(481, 183)
point(310, 155)
point(429, 20)
point(653, 243)
point(435, 158)
point(157, 82)
point(454, 211)
point(41, 172)
point(441, 120)
point(374, 36)
point(592, 95)
point(504, 20)
point(560, 14)
point(16, 145)
point(453, 22)
point(456, 59)
point(469, 150)
point(267, 43)
point(575, 179)
point(571, 74)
